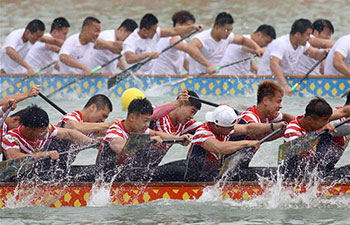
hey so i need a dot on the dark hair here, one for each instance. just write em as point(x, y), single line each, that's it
point(268, 89)
point(223, 18)
point(320, 24)
point(318, 107)
point(193, 102)
point(34, 117)
point(267, 30)
point(101, 101)
point(19, 113)
point(348, 98)
point(140, 106)
point(89, 20)
point(35, 25)
point(129, 25)
point(182, 17)
point(59, 23)
point(300, 25)
point(148, 20)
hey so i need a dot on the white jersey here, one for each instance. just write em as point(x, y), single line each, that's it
point(305, 63)
point(233, 53)
point(170, 62)
point(342, 46)
point(14, 40)
point(134, 43)
point(39, 56)
point(77, 51)
point(101, 56)
point(282, 48)
point(212, 50)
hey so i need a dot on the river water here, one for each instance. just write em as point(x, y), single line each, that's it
point(276, 207)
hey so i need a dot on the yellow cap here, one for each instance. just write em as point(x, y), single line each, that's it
point(129, 95)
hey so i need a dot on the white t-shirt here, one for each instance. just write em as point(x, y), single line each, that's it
point(75, 49)
point(212, 50)
point(170, 62)
point(134, 43)
point(39, 56)
point(233, 53)
point(282, 48)
point(342, 45)
point(101, 56)
point(305, 63)
point(14, 40)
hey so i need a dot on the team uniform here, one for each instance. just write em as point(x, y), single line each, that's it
point(212, 50)
point(14, 40)
point(305, 63)
point(202, 163)
point(282, 48)
point(101, 56)
point(77, 51)
point(15, 139)
point(233, 53)
point(170, 62)
point(341, 46)
point(134, 43)
point(294, 129)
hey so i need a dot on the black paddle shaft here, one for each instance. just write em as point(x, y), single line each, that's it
point(210, 103)
point(52, 104)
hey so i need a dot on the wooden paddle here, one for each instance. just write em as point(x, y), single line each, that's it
point(6, 114)
point(301, 144)
point(204, 73)
point(94, 70)
point(126, 73)
point(233, 161)
point(308, 72)
point(10, 168)
point(29, 76)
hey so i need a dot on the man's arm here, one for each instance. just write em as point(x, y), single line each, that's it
point(168, 32)
point(340, 113)
point(287, 117)
point(12, 53)
point(194, 51)
point(33, 91)
point(113, 46)
point(320, 42)
point(52, 41)
point(258, 130)
point(227, 147)
point(340, 65)
point(315, 53)
point(241, 40)
point(131, 57)
point(121, 64)
point(277, 72)
point(164, 135)
point(117, 145)
point(73, 136)
point(53, 48)
point(69, 61)
point(87, 128)
point(14, 153)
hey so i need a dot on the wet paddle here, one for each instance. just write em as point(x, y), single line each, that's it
point(29, 76)
point(52, 104)
point(126, 73)
point(204, 73)
point(10, 168)
point(94, 70)
point(308, 72)
point(6, 114)
point(233, 161)
point(301, 144)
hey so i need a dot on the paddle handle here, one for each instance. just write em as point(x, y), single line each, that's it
point(52, 103)
point(170, 141)
point(345, 94)
point(267, 137)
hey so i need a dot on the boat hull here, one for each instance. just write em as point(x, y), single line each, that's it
point(243, 85)
point(81, 194)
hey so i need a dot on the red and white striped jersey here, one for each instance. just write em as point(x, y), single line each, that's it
point(251, 115)
point(15, 139)
point(72, 116)
point(3, 131)
point(166, 125)
point(294, 129)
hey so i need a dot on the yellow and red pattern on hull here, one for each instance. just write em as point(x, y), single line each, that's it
point(76, 195)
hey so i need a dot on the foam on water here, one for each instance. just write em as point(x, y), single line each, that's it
point(99, 195)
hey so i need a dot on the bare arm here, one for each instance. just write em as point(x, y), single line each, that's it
point(87, 128)
point(73, 135)
point(315, 53)
point(257, 130)
point(227, 147)
point(194, 51)
point(320, 42)
point(14, 153)
point(287, 117)
point(117, 145)
point(277, 72)
point(69, 61)
point(168, 32)
point(33, 91)
point(340, 65)
point(52, 41)
point(121, 64)
point(241, 40)
point(13, 54)
point(131, 57)
point(113, 46)
point(52, 48)
point(253, 67)
point(187, 65)
point(339, 113)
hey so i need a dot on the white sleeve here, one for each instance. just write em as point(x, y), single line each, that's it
point(67, 46)
point(307, 46)
point(277, 49)
point(1, 112)
point(343, 47)
point(11, 41)
point(129, 45)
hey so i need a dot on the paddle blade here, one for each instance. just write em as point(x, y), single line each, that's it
point(135, 143)
point(232, 162)
point(10, 168)
point(299, 146)
point(118, 78)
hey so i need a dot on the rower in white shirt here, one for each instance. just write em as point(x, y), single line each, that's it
point(338, 59)
point(320, 38)
point(174, 60)
point(43, 54)
point(282, 55)
point(16, 46)
point(262, 36)
point(142, 43)
point(208, 47)
point(101, 56)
